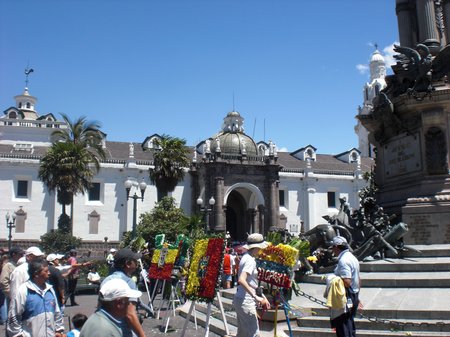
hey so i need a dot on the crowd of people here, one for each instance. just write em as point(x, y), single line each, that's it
point(35, 289)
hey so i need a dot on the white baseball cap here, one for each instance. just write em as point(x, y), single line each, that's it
point(53, 257)
point(340, 241)
point(113, 250)
point(35, 251)
point(117, 288)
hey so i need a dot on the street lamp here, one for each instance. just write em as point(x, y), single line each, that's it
point(10, 224)
point(205, 210)
point(142, 186)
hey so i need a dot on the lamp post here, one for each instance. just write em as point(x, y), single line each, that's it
point(10, 224)
point(130, 182)
point(205, 210)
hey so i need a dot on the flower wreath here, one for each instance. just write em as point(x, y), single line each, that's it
point(204, 271)
point(166, 257)
point(275, 264)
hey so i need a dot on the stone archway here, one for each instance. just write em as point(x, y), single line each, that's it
point(236, 220)
point(243, 202)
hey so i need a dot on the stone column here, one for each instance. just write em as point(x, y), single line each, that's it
point(310, 208)
point(261, 219)
point(273, 202)
point(404, 21)
point(426, 22)
point(447, 19)
point(220, 223)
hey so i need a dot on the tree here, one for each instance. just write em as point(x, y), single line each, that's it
point(72, 160)
point(170, 159)
point(165, 218)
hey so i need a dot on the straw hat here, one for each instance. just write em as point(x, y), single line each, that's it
point(255, 240)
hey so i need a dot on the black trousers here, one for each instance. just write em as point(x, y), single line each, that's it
point(71, 286)
point(345, 324)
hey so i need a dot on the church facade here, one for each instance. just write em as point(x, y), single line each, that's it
point(245, 186)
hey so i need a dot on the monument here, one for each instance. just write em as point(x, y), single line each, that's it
point(410, 124)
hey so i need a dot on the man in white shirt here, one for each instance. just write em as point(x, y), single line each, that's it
point(20, 275)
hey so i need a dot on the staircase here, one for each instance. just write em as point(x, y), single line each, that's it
point(407, 296)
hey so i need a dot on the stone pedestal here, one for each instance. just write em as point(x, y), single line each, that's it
point(428, 220)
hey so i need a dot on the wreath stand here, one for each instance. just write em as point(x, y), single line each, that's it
point(208, 315)
point(146, 282)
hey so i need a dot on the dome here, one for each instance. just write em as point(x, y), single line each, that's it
point(232, 139)
point(377, 57)
point(234, 143)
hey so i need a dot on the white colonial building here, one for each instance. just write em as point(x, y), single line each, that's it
point(254, 186)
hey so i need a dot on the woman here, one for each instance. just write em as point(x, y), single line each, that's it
point(246, 297)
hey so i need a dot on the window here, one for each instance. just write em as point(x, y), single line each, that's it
point(331, 199)
point(94, 192)
point(281, 197)
point(377, 89)
point(22, 189)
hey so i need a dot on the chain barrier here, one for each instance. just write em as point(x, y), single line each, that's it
point(374, 319)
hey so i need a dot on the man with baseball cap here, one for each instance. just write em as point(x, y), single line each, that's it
point(347, 268)
point(56, 278)
point(125, 264)
point(109, 320)
point(20, 275)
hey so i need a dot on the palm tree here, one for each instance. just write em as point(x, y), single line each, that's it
point(169, 161)
point(72, 160)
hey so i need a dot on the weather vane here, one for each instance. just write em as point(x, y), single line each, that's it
point(28, 71)
point(376, 46)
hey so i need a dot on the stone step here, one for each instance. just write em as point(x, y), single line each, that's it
point(442, 250)
point(408, 264)
point(384, 324)
point(328, 332)
point(440, 279)
point(390, 303)
point(215, 324)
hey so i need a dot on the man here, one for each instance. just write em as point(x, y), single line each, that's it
point(125, 264)
point(15, 254)
point(34, 310)
point(109, 320)
point(20, 275)
point(347, 269)
point(74, 273)
point(110, 259)
point(56, 278)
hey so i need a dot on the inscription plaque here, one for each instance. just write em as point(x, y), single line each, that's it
point(402, 156)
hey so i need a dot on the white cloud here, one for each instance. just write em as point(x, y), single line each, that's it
point(362, 68)
point(283, 149)
point(388, 54)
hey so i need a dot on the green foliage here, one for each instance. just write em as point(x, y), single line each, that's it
point(165, 218)
point(274, 237)
point(64, 223)
point(57, 241)
point(169, 160)
point(303, 246)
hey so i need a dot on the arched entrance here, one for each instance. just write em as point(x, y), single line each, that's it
point(243, 201)
point(236, 220)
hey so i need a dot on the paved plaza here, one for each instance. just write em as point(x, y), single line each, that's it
point(87, 304)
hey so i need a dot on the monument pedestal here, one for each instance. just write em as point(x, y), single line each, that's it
point(428, 220)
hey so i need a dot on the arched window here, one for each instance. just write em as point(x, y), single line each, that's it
point(20, 105)
point(366, 94)
point(28, 105)
point(13, 115)
point(377, 89)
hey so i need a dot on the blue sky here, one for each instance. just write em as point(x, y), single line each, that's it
point(141, 67)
